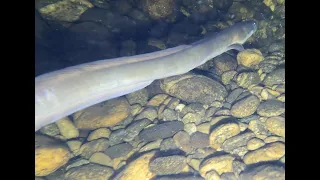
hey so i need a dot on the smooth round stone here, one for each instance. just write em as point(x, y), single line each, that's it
point(255, 143)
point(168, 165)
point(89, 171)
point(245, 107)
point(138, 97)
point(249, 57)
point(102, 159)
point(99, 133)
point(271, 108)
point(67, 128)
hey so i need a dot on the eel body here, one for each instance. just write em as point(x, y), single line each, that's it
point(63, 92)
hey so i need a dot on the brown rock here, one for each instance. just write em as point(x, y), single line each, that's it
point(106, 114)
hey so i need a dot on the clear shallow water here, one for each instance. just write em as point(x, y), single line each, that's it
point(189, 137)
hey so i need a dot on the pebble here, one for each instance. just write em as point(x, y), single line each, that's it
point(255, 143)
point(199, 140)
point(271, 108)
point(221, 164)
point(238, 167)
point(271, 139)
point(234, 95)
point(138, 97)
point(276, 77)
point(148, 113)
point(151, 145)
point(50, 155)
point(99, 133)
point(91, 147)
point(138, 168)
point(89, 171)
point(264, 172)
point(187, 88)
point(67, 128)
point(102, 159)
point(50, 130)
point(74, 146)
point(204, 128)
point(106, 114)
point(237, 141)
point(249, 57)
point(247, 79)
point(212, 175)
point(210, 112)
point(276, 125)
point(194, 108)
point(134, 129)
point(136, 109)
point(118, 150)
point(269, 152)
point(245, 107)
point(117, 136)
point(157, 100)
point(224, 63)
point(228, 176)
point(227, 76)
point(161, 131)
point(259, 128)
point(190, 128)
point(192, 118)
point(169, 115)
point(194, 163)
point(168, 165)
point(168, 145)
point(222, 133)
point(77, 163)
point(182, 140)
point(173, 103)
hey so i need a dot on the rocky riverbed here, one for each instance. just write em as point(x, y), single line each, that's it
point(224, 120)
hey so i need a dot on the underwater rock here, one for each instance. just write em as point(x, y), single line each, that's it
point(194, 88)
point(67, 128)
point(224, 63)
point(102, 159)
point(221, 133)
point(168, 165)
point(259, 128)
point(50, 154)
point(275, 78)
point(249, 57)
point(158, 9)
point(99, 133)
point(269, 152)
point(138, 97)
point(91, 147)
point(105, 114)
point(64, 10)
point(161, 131)
point(139, 168)
point(199, 140)
point(221, 164)
point(89, 171)
point(245, 107)
point(264, 172)
point(134, 129)
point(271, 108)
point(118, 150)
point(248, 79)
point(276, 125)
point(182, 140)
point(255, 143)
point(148, 113)
point(237, 141)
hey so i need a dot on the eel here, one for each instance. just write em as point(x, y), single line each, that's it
point(63, 92)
